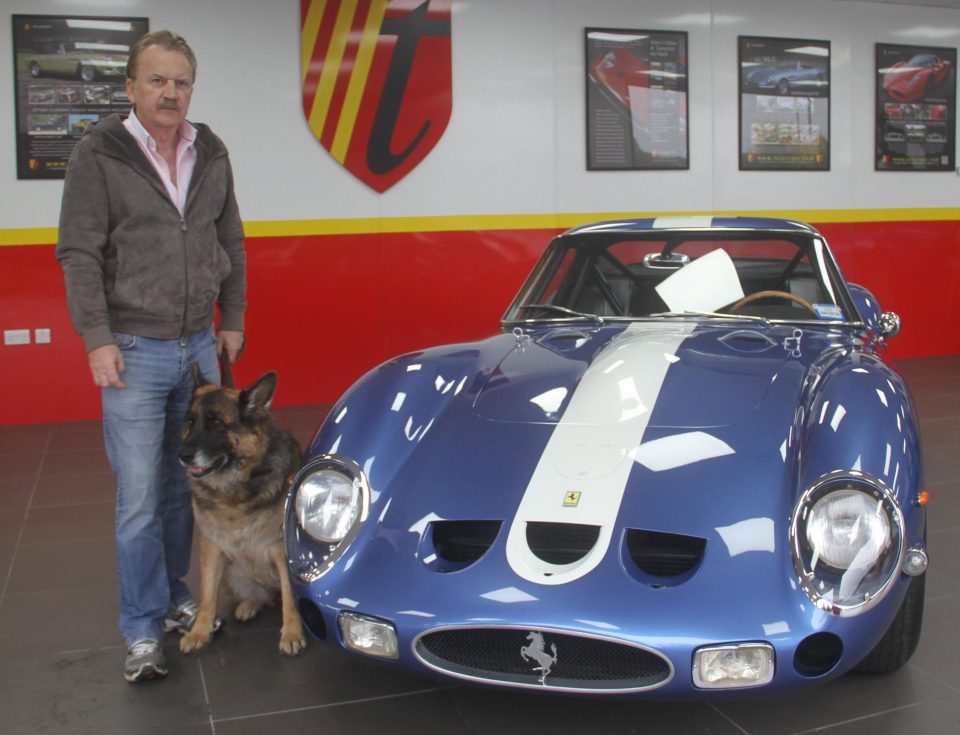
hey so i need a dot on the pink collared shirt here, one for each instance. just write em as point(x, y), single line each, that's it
point(186, 158)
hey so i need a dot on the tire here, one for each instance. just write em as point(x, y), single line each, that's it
point(88, 73)
point(901, 639)
point(34, 69)
point(783, 87)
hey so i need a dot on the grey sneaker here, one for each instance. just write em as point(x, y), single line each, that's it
point(182, 617)
point(144, 661)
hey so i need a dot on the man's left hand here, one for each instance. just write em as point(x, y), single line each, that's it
point(231, 343)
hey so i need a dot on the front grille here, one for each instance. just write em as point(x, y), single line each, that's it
point(542, 659)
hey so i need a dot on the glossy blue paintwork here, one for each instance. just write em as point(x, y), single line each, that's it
point(453, 433)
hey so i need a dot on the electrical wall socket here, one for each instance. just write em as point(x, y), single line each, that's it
point(16, 336)
point(41, 336)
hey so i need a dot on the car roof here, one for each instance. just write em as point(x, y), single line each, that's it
point(698, 223)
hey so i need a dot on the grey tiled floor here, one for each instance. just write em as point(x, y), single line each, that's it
point(61, 656)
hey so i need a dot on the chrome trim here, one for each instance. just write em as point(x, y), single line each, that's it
point(348, 467)
point(807, 579)
point(546, 686)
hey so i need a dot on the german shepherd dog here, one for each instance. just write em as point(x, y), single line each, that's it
point(239, 461)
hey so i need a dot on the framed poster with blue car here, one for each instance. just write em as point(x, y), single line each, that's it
point(636, 103)
point(784, 104)
point(916, 93)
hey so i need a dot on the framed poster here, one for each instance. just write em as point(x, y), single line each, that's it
point(784, 104)
point(916, 108)
point(68, 71)
point(636, 100)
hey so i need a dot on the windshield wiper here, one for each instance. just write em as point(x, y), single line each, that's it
point(713, 314)
point(562, 310)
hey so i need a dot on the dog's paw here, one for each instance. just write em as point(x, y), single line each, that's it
point(246, 610)
point(292, 643)
point(194, 641)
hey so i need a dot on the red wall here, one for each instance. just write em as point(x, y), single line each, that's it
point(326, 308)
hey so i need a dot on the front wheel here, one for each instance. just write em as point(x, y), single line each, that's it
point(901, 639)
point(88, 73)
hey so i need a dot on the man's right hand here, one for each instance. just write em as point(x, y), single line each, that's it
point(106, 364)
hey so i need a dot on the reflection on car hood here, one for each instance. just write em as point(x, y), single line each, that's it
point(707, 376)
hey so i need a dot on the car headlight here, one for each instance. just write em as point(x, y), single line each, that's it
point(330, 499)
point(327, 504)
point(847, 539)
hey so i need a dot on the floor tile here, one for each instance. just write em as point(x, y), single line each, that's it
point(85, 693)
point(319, 676)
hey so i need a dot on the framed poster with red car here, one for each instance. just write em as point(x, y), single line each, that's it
point(916, 108)
point(636, 100)
point(784, 104)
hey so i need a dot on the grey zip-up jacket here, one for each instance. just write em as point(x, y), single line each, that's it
point(130, 262)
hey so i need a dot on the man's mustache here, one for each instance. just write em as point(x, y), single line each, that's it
point(169, 105)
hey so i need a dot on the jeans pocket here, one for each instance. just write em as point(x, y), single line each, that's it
point(125, 341)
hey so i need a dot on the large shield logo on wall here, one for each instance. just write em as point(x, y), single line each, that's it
point(377, 87)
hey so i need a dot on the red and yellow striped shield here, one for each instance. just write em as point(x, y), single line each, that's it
point(377, 82)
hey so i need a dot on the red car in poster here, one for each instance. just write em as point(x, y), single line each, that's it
point(909, 81)
point(617, 71)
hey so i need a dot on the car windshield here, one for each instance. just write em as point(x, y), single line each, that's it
point(658, 274)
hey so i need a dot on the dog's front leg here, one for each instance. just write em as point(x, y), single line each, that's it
point(292, 639)
point(212, 562)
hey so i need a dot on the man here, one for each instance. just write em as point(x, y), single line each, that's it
point(150, 242)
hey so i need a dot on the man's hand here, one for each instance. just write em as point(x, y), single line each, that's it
point(232, 343)
point(106, 364)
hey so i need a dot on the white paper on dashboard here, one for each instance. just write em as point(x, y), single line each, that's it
point(705, 284)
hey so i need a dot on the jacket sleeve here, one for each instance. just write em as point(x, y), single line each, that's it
point(82, 245)
point(233, 291)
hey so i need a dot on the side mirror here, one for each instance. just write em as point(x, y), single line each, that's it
point(884, 325)
point(888, 325)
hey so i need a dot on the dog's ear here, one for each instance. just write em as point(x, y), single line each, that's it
point(198, 377)
point(259, 395)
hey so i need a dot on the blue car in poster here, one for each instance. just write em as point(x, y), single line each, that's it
point(682, 468)
point(787, 77)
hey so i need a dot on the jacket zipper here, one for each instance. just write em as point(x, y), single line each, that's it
point(186, 279)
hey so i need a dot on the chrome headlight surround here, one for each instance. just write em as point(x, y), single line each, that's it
point(328, 503)
point(847, 539)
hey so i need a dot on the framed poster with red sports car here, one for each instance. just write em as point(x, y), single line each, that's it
point(784, 104)
point(916, 108)
point(636, 100)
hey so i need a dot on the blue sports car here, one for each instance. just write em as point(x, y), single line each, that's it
point(681, 469)
point(787, 77)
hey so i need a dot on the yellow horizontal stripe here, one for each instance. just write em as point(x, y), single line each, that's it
point(468, 223)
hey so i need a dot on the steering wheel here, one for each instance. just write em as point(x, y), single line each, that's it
point(773, 295)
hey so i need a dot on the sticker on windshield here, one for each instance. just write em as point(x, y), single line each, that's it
point(830, 312)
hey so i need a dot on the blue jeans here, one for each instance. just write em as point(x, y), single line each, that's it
point(141, 428)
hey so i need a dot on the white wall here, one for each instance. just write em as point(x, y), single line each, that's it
point(515, 143)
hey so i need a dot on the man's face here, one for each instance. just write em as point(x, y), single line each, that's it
point(162, 89)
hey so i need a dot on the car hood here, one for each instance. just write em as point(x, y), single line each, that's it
point(681, 427)
point(673, 375)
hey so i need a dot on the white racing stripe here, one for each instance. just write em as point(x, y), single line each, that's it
point(582, 474)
